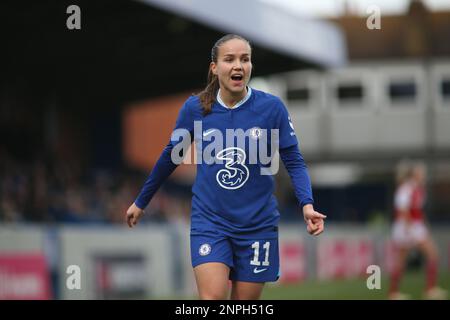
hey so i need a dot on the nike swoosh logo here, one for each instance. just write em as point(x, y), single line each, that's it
point(208, 132)
point(256, 270)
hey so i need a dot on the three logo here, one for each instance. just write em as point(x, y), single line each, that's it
point(235, 174)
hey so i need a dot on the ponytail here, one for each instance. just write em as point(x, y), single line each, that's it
point(208, 95)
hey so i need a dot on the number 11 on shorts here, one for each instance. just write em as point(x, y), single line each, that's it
point(255, 261)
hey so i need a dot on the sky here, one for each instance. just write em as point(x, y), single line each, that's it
point(332, 8)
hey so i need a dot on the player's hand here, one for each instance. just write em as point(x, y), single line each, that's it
point(133, 215)
point(314, 220)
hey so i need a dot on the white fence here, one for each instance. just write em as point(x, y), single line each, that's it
point(153, 261)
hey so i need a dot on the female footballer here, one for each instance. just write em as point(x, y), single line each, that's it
point(409, 230)
point(234, 216)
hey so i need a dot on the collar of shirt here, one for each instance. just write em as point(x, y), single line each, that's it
point(237, 105)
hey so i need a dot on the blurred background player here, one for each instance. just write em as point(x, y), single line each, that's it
point(410, 231)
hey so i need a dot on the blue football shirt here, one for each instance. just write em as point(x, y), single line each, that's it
point(231, 194)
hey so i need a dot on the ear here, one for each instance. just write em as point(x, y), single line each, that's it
point(213, 68)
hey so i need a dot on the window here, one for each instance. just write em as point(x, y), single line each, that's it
point(350, 93)
point(301, 95)
point(445, 88)
point(402, 91)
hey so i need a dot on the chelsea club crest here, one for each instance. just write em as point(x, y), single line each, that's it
point(255, 133)
point(205, 249)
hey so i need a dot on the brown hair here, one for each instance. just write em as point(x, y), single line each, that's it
point(208, 95)
point(405, 169)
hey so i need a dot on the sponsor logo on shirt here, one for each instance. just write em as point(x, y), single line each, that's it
point(235, 174)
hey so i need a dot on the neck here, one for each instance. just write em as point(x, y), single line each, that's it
point(231, 99)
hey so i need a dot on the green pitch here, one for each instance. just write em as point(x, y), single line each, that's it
point(412, 284)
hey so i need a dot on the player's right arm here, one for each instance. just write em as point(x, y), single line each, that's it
point(162, 169)
point(134, 213)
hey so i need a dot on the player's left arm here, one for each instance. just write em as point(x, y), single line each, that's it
point(297, 169)
point(314, 220)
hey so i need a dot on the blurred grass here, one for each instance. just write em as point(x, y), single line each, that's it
point(412, 283)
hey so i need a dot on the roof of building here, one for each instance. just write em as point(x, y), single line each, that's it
point(420, 33)
point(274, 28)
point(128, 50)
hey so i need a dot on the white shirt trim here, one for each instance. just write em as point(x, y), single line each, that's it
point(237, 105)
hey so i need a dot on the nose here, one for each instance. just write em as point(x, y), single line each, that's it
point(237, 65)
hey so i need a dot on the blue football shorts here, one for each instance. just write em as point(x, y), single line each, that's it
point(251, 260)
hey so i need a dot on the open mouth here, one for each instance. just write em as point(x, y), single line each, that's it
point(237, 77)
point(237, 80)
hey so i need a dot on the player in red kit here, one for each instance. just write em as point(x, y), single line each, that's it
point(410, 231)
